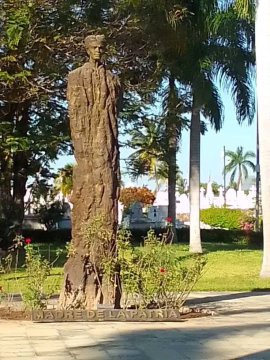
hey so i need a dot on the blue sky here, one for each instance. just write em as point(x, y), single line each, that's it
point(230, 136)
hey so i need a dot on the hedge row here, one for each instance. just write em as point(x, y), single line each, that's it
point(212, 235)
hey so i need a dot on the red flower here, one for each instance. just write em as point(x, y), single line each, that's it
point(0, 287)
point(27, 240)
point(162, 270)
point(169, 219)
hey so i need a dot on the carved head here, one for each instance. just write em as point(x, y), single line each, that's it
point(94, 45)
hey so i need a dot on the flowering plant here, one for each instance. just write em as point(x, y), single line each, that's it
point(152, 276)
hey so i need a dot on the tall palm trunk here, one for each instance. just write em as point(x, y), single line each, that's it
point(239, 181)
point(263, 89)
point(195, 245)
point(172, 183)
point(171, 131)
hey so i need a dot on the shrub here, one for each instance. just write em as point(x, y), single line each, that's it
point(247, 221)
point(155, 275)
point(211, 235)
point(38, 269)
point(148, 277)
point(132, 194)
point(223, 218)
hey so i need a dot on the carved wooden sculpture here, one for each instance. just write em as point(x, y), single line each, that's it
point(92, 94)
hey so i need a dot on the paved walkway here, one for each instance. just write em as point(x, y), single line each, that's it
point(241, 330)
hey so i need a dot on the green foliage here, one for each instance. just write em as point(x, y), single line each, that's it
point(64, 179)
point(214, 185)
point(223, 218)
point(239, 161)
point(18, 21)
point(37, 271)
point(153, 276)
point(146, 140)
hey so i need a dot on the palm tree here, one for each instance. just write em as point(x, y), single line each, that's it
point(263, 90)
point(239, 161)
point(220, 52)
point(162, 174)
point(148, 152)
point(64, 180)
point(174, 109)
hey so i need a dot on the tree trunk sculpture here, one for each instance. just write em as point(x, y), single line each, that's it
point(93, 93)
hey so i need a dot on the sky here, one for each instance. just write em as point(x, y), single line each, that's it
point(231, 136)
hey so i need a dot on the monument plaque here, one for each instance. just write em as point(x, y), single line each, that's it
point(46, 316)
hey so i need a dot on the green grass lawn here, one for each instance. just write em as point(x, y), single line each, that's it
point(229, 268)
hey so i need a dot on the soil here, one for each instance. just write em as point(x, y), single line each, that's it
point(13, 314)
point(9, 314)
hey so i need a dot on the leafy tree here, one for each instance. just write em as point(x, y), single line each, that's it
point(214, 185)
point(40, 42)
point(233, 185)
point(34, 61)
point(239, 161)
point(64, 179)
point(141, 194)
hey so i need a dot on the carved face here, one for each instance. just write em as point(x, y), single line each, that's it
point(95, 50)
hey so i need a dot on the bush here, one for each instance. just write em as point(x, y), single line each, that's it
point(212, 235)
point(223, 218)
point(156, 277)
point(137, 236)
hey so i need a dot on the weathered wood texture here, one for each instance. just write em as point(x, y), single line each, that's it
point(93, 93)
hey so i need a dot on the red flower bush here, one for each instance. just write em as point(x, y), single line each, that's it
point(0, 287)
point(27, 240)
point(162, 270)
point(168, 219)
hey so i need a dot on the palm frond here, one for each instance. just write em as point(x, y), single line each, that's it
point(229, 167)
point(245, 171)
point(232, 177)
point(249, 154)
point(213, 106)
point(250, 164)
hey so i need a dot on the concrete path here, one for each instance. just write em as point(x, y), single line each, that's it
point(241, 330)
